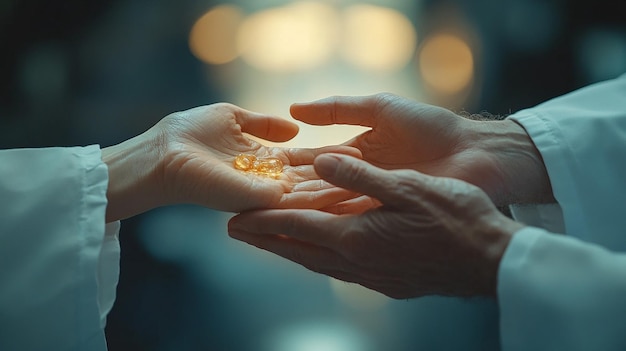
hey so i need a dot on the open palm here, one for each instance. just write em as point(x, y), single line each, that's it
point(199, 147)
point(409, 135)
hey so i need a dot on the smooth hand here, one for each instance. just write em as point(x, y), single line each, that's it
point(188, 158)
point(431, 236)
point(497, 156)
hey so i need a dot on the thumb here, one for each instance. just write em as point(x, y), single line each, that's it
point(266, 127)
point(359, 176)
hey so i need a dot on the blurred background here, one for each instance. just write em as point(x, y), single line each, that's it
point(98, 72)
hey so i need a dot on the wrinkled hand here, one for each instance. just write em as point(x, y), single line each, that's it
point(497, 156)
point(431, 235)
point(188, 158)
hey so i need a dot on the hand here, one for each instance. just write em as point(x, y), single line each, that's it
point(497, 156)
point(430, 236)
point(188, 158)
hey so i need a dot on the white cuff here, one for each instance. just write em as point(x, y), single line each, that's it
point(108, 270)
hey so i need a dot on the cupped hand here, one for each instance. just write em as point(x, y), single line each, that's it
point(497, 156)
point(430, 236)
point(188, 157)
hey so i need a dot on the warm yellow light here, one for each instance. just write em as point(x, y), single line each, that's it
point(446, 63)
point(377, 38)
point(212, 37)
point(295, 37)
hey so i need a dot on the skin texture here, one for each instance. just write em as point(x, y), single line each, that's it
point(426, 223)
point(188, 156)
point(497, 156)
point(430, 236)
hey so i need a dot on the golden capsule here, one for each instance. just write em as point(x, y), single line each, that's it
point(244, 162)
point(268, 165)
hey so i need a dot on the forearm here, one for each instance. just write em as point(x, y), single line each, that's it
point(133, 168)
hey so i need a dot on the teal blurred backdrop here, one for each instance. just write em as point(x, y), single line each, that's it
point(99, 72)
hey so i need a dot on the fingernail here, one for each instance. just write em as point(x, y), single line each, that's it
point(326, 165)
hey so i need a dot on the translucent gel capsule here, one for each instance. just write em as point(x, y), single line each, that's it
point(244, 162)
point(267, 166)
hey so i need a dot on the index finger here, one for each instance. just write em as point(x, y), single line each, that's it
point(353, 110)
point(301, 156)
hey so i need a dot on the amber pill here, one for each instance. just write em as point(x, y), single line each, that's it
point(244, 162)
point(267, 166)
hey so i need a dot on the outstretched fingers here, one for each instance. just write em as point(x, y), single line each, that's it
point(353, 110)
point(310, 226)
point(298, 156)
point(355, 205)
point(315, 194)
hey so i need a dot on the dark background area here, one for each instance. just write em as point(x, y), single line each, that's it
point(99, 72)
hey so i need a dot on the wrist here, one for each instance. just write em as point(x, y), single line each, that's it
point(133, 175)
point(516, 172)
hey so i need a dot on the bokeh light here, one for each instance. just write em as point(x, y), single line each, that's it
point(213, 37)
point(304, 35)
point(446, 63)
point(318, 336)
point(377, 38)
point(298, 36)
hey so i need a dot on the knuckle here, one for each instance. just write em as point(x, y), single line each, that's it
point(459, 188)
point(385, 98)
point(225, 106)
point(355, 172)
point(405, 184)
point(406, 176)
point(334, 102)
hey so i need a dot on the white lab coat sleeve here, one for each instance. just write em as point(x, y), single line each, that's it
point(560, 293)
point(59, 262)
point(566, 292)
point(582, 139)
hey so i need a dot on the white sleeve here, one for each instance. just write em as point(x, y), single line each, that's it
point(59, 263)
point(582, 139)
point(560, 293)
point(566, 292)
